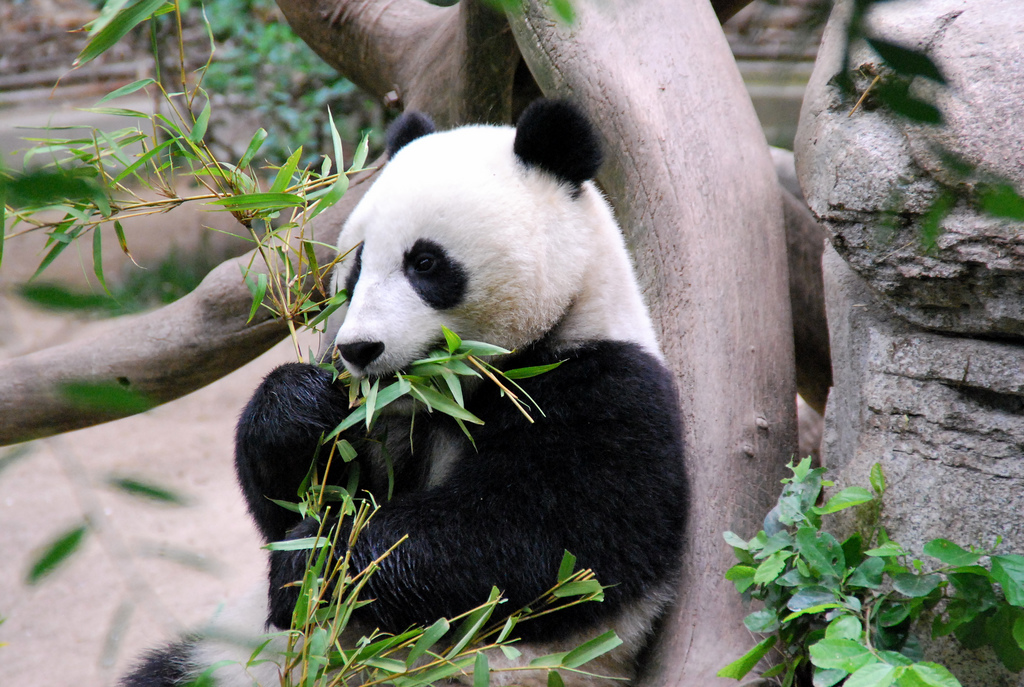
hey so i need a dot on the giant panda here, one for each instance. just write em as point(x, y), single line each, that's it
point(499, 234)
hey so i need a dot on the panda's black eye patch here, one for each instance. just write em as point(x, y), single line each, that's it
point(437, 278)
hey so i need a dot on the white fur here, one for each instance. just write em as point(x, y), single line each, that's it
point(537, 259)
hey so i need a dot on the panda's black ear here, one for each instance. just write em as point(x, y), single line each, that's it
point(557, 137)
point(408, 127)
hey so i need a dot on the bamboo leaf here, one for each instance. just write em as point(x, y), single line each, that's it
point(140, 489)
point(284, 175)
point(56, 553)
point(745, 663)
point(123, 22)
point(126, 90)
point(259, 201)
point(590, 650)
point(254, 145)
point(199, 128)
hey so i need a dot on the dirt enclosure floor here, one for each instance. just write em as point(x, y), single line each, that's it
point(146, 570)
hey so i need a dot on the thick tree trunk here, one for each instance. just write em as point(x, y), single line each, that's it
point(689, 174)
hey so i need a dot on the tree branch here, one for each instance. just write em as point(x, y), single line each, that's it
point(454, 63)
point(689, 174)
point(159, 355)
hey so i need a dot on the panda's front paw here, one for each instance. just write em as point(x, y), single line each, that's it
point(277, 438)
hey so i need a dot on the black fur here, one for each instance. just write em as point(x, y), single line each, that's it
point(554, 135)
point(441, 283)
point(409, 126)
point(600, 475)
point(354, 272)
point(165, 667)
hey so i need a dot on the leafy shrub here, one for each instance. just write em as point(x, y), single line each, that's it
point(848, 610)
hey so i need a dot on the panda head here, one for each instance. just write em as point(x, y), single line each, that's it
point(494, 232)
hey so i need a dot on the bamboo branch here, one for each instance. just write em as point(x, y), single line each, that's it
point(160, 355)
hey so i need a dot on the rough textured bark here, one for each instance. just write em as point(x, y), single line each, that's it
point(455, 63)
point(689, 174)
point(160, 355)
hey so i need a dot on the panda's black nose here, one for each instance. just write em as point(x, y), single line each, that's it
point(361, 353)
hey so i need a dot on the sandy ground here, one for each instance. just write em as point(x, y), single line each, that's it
point(146, 571)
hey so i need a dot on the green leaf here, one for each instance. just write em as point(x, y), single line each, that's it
point(1002, 200)
point(771, 567)
point(527, 372)
point(138, 488)
point(868, 574)
point(872, 675)
point(580, 588)
point(563, 9)
point(877, 479)
point(843, 654)
point(566, 567)
point(254, 145)
point(933, 675)
point(915, 586)
point(451, 339)
point(598, 646)
point(432, 635)
point(822, 552)
point(809, 597)
point(742, 576)
point(126, 90)
point(301, 544)
point(1008, 571)
point(142, 160)
point(745, 663)
point(436, 401)
point(284, 175)
point(906, 61)
point(931, 222)
point(359, 157)
point(259, 292)
point(949, 553)
point(889, 548)
point(47, 187)
point(473, 623)
point(259, 201)
point(892, 613)
point(896, 96)
point(436, 674)
point(56, 553)
point(1018, 631)
point(851, 496)
point(827, 677)
point(335, 140)
point(554, 679)
point(481, 671)
point(844, 627)
point(199, 128)
point(734, 540)
point(115, 30)
point(763, 621)
point(104, 397)
point(332, 196)
point(481, 348)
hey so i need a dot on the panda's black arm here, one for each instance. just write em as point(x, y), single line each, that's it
point(276, 440)
point(600, 476)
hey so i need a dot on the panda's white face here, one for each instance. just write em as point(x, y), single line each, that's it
point(457, 231)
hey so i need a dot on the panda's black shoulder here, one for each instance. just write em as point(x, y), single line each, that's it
point(614, 384)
